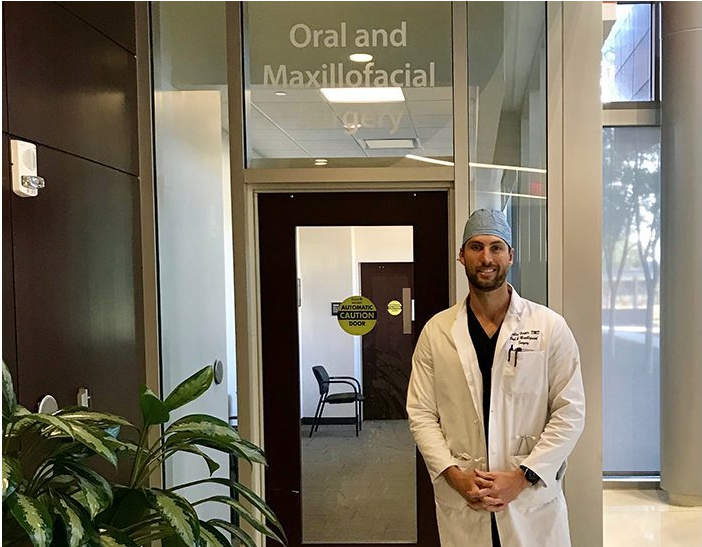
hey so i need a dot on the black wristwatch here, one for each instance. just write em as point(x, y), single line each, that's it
point(529, 475)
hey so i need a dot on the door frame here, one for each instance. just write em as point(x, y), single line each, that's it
point(278, 216)
point(572, 118)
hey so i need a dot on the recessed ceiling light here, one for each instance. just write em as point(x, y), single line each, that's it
point(280, 93)
point(361, 57)
point(375, 144)
point(363, 94)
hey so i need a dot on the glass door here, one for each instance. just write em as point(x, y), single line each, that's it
point(347, 282)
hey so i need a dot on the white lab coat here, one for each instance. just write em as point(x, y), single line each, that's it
point(537, 413)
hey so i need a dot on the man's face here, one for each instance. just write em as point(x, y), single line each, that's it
point(487, 260)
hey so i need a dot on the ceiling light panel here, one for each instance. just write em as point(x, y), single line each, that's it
point(377, 144)
point(361, 57)
point(363, 94)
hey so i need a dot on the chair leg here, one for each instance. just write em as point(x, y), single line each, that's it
point(319, 418)
point(355, 411)
point(316, 413)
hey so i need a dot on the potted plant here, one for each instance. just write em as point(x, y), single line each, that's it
point(53, 497)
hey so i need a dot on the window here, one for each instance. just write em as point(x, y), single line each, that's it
point(631, 240)
point(630, 300)
point(628, 52)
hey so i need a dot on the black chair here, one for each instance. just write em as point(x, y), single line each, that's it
point(355, 396)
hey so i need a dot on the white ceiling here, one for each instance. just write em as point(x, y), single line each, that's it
point(303, 124)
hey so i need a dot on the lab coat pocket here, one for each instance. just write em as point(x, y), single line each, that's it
point(446, 496)
point(526, 372)
point(444, 493)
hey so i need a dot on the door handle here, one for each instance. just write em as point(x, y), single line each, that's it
point(407, 309)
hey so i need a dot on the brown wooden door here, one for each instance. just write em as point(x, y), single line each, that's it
point(279, 215)
point(387, 349)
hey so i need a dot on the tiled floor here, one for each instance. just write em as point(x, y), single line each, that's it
point(641, 518)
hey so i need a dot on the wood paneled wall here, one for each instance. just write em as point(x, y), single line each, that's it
point(72, 314)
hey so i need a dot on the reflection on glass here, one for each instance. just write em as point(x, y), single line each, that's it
point(357, 489)
point(507, 128)
point(627, 53)
point(356, 86)
point(630, 300)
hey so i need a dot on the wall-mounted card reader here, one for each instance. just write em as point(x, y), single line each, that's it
point(25, 182)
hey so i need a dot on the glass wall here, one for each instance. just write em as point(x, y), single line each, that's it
point(507, 128)
point(194, 220)
point(630, 300)
point(348, 84)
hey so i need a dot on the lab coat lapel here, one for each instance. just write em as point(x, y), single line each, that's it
point(509, 325)
point(466, 351)
point(468, 358)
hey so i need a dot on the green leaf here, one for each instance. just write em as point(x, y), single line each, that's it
point(251, 497)
point(257, 502)
point(11, 476)
point(33, 517)
point(246, 515)
point(211, 537)
point(72, 520)
point(203, 422)
point(182, 440)
point(212, 465)
point(47, 422)
point(9, 401)
point(176, 512)
point(153, 411)
point(234, 530)
point(115, 538)
point(129, 506)
point(129, 447)
point(212, 432)
point(97, 440)
point(249, 452)
point(190, 389)
point(95, 492)
point(92, 417)
point(258, 454)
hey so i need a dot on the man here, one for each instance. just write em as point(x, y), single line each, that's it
point(496, 404)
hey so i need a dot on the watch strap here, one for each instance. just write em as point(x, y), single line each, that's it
point(529, 475)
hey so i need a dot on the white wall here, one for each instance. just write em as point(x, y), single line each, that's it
point(328, 267)
point(191, 228)
point(324, 265)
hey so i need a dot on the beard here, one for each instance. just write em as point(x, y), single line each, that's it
point(487, 285)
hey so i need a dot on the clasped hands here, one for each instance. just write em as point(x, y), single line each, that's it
point(487, 490)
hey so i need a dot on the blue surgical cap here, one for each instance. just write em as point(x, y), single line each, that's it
point(487, 222)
